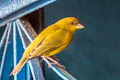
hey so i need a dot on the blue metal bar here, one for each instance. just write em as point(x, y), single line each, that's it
point(4, 52)
point(19, 53)
point(28, 76)
point(4, 35)
point(8, 7)
point(14, 48)
point(19, 12)
point(59, 73)
point(34, 63)
point(8, 59)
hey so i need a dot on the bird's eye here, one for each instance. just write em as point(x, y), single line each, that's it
point(71, 23)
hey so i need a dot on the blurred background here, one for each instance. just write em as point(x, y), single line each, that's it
point(94, 53)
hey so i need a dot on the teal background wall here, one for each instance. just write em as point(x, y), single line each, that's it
point(94, 54)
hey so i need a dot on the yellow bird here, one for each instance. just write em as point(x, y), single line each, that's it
point(50, 41)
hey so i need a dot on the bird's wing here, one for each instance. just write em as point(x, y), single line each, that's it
point(50, 43)
point(39, 39)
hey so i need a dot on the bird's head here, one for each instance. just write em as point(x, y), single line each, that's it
point(70, 23)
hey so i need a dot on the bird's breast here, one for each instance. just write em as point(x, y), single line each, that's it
point(68, 38)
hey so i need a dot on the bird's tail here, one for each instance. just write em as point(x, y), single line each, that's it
point(19, 66)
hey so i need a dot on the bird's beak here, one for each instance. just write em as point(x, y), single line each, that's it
point(79, 26)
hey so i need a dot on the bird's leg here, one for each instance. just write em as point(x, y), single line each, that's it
point(59, 65)
point(54, 62)
point(53, 57)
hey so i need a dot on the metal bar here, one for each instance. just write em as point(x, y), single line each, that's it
point(34, 64)
point(24, 46)
point(4, 35)
point(25, 10)
point(5, 49)
point(14, 48)
point(53, 68)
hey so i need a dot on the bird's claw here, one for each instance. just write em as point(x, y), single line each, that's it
point(57, 64)
point(54, 62)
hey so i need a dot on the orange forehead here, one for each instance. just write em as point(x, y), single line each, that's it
point(69, 19)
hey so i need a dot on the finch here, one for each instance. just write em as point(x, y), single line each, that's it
point(50, 41)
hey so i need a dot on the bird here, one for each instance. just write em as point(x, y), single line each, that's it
point(51, 41)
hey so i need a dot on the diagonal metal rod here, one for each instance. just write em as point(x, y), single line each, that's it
point(5, 49)
point(35, 77)
point(24, 46)
point(4, 35)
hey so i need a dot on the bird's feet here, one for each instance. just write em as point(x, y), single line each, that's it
point(57, 64)
point(54, 62)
